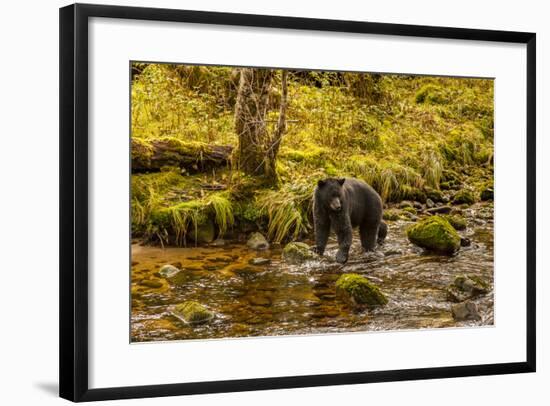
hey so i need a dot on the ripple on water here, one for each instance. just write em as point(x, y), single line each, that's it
point(280, 299)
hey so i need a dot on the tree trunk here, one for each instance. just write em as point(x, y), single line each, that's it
point(257, 151)
point(275, 142)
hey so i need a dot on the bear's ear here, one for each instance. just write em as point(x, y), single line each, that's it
point(321, 183)
point(341, 181)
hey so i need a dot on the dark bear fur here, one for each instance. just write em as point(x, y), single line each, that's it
point(342, 204)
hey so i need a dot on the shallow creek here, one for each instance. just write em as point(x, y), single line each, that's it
point(282, 299)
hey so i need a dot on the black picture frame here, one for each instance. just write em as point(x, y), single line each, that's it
point(73, 254)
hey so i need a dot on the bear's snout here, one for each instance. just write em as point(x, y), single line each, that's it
point(335, 204)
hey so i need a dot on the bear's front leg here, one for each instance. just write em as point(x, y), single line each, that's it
point(322, 230)
point(344, 234)
point(321, 223)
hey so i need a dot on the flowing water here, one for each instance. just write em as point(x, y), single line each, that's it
point(282, 299)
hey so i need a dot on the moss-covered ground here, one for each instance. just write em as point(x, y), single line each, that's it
point(410, 137)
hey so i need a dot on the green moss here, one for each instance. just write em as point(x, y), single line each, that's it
point(249, 211)
point(358, 291)
point(193, 312)
point(223, 210)
point(449, 175)
point(177, 145)
point(431, 94)
point(464, 196)
point(433, 194)
point(409, 209)
point(435, 234)
point(412, 193)
point(331, 170)
point(297, 252)
point(142, 151)
point(466, 145)
point(458, 222)
point(308, 154)
point(391, 215)
point(447, 185)
point(404, 144)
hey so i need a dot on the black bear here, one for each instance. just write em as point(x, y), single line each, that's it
point(342, 204)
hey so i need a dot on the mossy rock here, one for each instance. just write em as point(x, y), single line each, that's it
point(466, 287)
point(391, 215)
point(433, 194)
point(357, 291)
point(257, 241)
point(435, 234)
point(458, 222)
point(464, 196)
point(411, 210)
point(193, 313)
point(297, 253)
point(412, 193)
point(449, 185)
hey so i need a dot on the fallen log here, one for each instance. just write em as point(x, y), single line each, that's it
point(152, 155)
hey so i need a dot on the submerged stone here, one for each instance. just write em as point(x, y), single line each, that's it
point(218, 242)
point(192, 312)
point(465, 242)
point(357, 291)
point(435, 234)
point(168, 271)
point(465, 311)
point(257, 241)
point(151, 283)
point(297, 253)
point(259, 301)
point(259, 261)
point(466, 287)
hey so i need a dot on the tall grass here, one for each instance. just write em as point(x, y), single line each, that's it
point(288, 211)
point(223, 210)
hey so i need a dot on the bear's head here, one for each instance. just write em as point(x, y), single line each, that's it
point(331, 194)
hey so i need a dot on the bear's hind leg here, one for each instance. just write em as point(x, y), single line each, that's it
point(369, 235)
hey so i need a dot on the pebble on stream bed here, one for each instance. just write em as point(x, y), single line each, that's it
point(256, 294)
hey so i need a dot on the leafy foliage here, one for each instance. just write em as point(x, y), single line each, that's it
point(407, 136)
